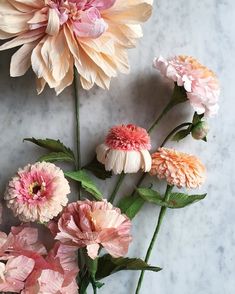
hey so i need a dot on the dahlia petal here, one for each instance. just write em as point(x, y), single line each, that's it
point(53, 24)
point(20, 61)
point(92, 250)
point(40, 85)
point(4, 35)
point(31, 3)
point(14, 24)
point(132, 14)
point(102, 4)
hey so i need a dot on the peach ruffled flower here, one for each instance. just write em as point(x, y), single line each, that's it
point(125, 150)
point(93, 224)
point(201, 84)
point(38, 192)
point(56, 35)
point(179, 169)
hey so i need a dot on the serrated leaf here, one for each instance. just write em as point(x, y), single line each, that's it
point(56, 156)
point(86, 182)
point(176, 200)
point(52, 145)
point(131, 205)
point(107, 265)
point(197, 118)
point(98, 169)
point(179, 200)
point(181, 135)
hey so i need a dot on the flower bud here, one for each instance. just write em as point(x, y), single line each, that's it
point(200, 130)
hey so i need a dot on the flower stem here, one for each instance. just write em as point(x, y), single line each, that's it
point(117, 186)
point(154, 237)
point(77, 118)
point(174, 131)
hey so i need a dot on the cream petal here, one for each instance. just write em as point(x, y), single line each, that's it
point(15, 24)
point(40, 85)
point(133, 162)
point(67, 80)
point(53, 24)
point(115, 161)
point(21, 60)
point(138, 12)
point(92, 250)
point(4, 35)
point(31, 3)
point(25, 38)
point(146, 160)
point(101, 152)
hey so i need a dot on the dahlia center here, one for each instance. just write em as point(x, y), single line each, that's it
point(82, 16)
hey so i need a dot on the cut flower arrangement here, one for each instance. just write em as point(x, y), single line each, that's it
point(63, 41)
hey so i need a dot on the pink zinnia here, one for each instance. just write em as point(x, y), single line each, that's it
point(38, 192)
point(93, 224)
point(200, 83)
point(125, 150)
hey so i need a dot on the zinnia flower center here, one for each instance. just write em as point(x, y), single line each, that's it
point(35, 189)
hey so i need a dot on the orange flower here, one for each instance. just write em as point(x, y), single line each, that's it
point(57, 35)
point(179, 169)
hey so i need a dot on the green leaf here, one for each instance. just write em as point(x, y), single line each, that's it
point(150, 195)
point(98, 169)
point(56, 156)
point(84, 283)
point(86, 182)
point(176, 200)
point(107, 265)
point(131, 205)
point(204, 139)
point(197, 118)
point(181, 135)
point(179, 200)
point(52, 145)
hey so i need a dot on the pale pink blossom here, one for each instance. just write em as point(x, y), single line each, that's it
point(38, 192)
point(93, 224)
point(125, 150)
point(200, 83)
point(14, 273)
point(56, 35)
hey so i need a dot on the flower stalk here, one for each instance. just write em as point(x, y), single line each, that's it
point(77, 118)
point(155, 234)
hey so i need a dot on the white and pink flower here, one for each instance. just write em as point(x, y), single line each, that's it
point(125, 150)
point(200, 83)
point(38, 192)
point(93, 224)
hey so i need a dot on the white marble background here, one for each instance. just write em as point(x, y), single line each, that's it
point(196, 244)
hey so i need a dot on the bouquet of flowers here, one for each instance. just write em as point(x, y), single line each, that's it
point(88, 240)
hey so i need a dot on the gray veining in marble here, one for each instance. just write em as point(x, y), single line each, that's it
point(196, 246)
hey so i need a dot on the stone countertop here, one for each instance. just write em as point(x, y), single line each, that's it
point(196, 244)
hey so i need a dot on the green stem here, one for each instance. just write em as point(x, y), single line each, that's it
point(116, 188)
point(174, 131)
point(77, 118)
point(154, 237)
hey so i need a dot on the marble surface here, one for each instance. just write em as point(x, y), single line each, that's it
point(196, 246)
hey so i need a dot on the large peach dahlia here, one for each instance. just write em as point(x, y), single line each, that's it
point(55, 35)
